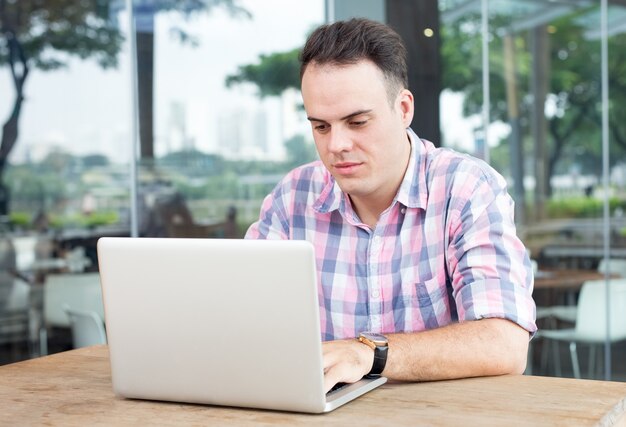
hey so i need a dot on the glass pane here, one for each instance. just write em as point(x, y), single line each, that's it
point(221, 115)
point(545, 137)
point(616, 265)
point(65, 132)
point(462, 90)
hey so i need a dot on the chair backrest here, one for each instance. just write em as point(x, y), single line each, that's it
point(19, 297)
point(87, 327)
point(7, 265)
point(615, 266)
point(14, 315)
point(591, 317)
point(79, 291)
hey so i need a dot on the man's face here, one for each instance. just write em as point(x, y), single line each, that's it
point(360, 137)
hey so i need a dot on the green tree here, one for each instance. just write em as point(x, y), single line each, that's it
point(574, 116)
point(95, 160)
point(272, 75)
point(58, 162)
point(194, 162)
point(299, 151)
point(573, 87)
point(43, 35)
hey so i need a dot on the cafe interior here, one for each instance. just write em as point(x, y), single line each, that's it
point(177, 119)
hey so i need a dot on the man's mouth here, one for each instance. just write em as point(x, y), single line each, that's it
point(347, 168)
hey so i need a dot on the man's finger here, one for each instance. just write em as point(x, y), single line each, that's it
point(332, 377)
point(331, 358)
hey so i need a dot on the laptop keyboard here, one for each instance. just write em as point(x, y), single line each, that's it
point(337, 387)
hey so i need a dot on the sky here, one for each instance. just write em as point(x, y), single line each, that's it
point(85, 109)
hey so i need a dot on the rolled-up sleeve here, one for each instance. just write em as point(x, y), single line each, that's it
point(490, 268)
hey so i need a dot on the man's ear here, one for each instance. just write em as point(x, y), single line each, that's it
point(406, 106)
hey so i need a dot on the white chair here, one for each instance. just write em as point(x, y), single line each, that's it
point(561, 312)
point(79, 291)
point(567, 313)
point(614, 266)
point(14, 314)
point(591, 324)
point(87, 327)
point(19, 296)
point(551, 314)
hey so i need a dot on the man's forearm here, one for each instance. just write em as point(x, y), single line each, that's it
point(469, 349)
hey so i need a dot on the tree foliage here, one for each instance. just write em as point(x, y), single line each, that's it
point(44, 35)
point(573, 107)
point(48, 32)
point(273, 74)
point(299, 151)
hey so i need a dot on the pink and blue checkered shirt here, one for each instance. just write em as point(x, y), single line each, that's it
point(444, 251)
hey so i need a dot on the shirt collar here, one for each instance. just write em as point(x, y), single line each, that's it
point(331, 198)
point(413, 192)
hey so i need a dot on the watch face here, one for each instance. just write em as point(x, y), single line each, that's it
point(376, 338)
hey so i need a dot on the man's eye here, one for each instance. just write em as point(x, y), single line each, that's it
point(321, 128)
point(358, 123)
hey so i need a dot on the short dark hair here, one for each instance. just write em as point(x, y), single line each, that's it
point(348, 42)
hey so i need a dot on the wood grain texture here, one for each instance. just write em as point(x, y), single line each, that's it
point(74, 389)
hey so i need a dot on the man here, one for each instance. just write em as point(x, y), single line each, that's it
point(416, 248)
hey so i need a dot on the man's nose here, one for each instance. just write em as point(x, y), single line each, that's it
point(339, 141)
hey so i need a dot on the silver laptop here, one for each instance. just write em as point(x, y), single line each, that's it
point(221, 322)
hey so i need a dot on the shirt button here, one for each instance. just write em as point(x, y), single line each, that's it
point(375, 293)
point(403, 211)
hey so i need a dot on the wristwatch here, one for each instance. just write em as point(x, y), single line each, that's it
point(380, 345)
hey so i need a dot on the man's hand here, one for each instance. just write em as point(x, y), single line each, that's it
point(345, 361)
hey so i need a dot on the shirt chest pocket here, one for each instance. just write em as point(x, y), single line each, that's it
point(422, 286)
point(433, 303)
point(426, 304)
point(431, 293)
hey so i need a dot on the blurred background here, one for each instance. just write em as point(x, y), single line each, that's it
point(175, 118)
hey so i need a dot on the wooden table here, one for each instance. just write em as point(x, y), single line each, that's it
point(74, 389)
point(566, 279)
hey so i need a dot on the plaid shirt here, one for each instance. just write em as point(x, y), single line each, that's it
point(444, 251)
